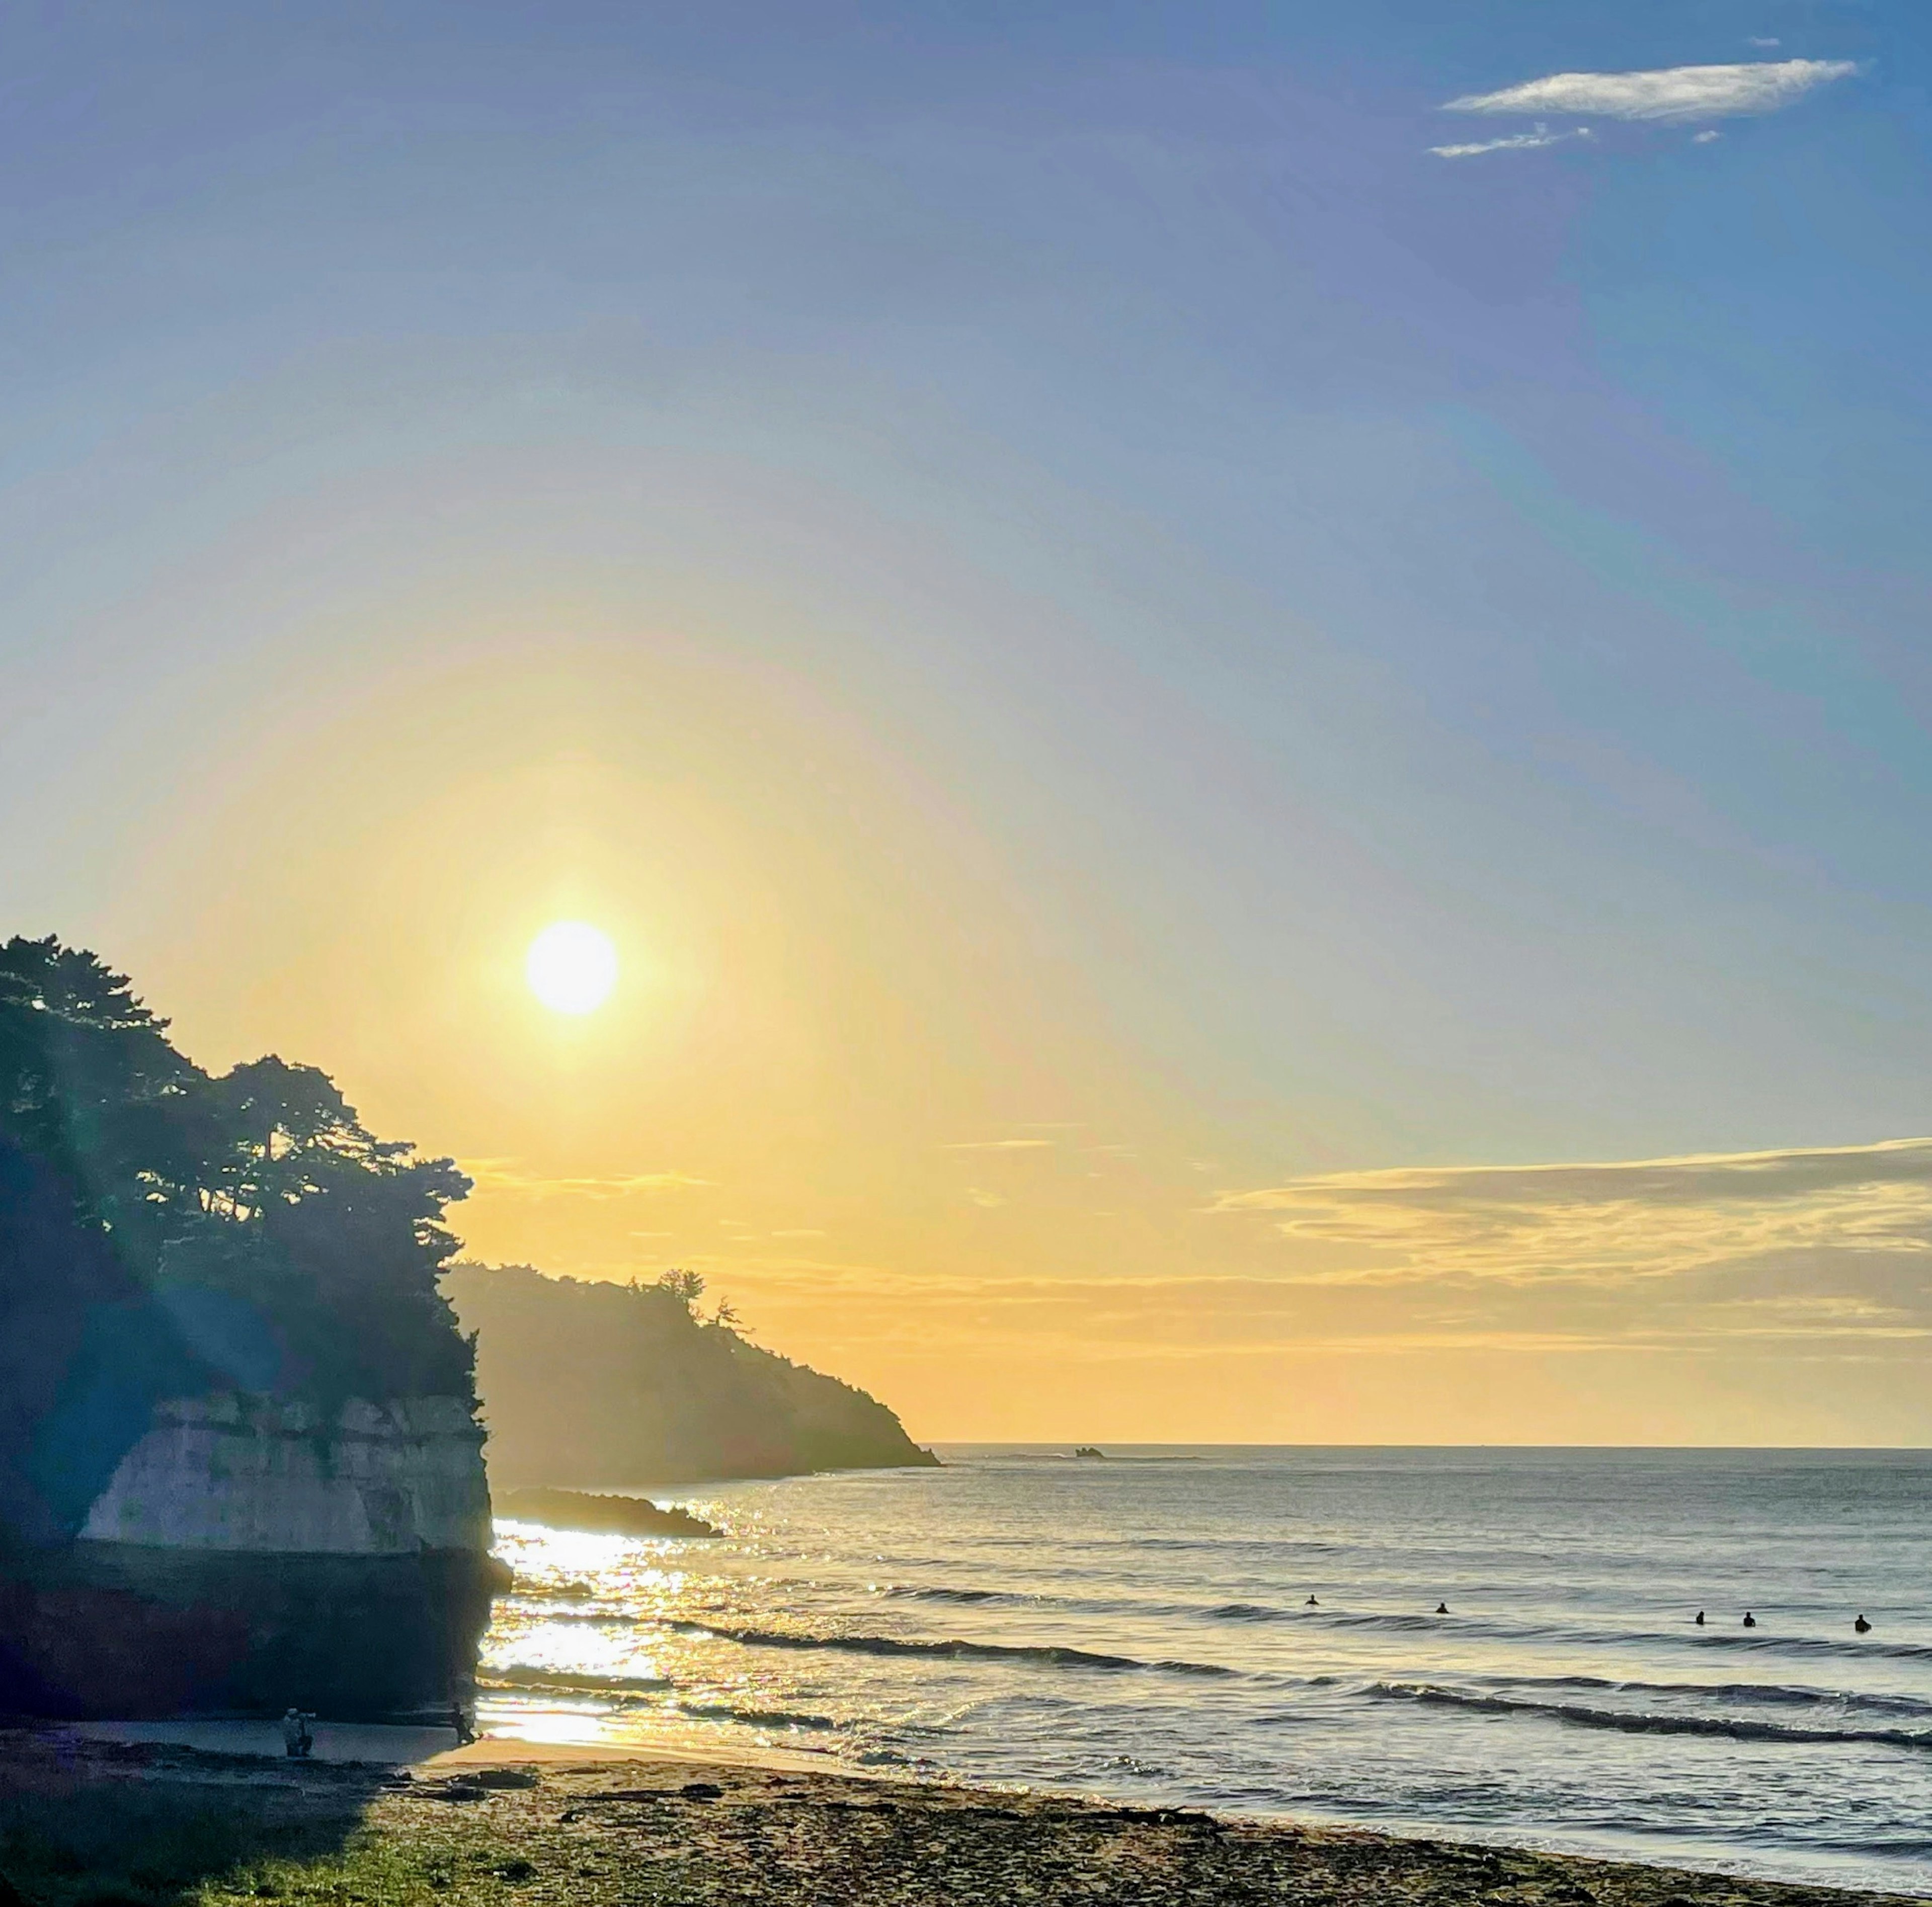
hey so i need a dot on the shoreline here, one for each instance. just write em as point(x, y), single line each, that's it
point(503, 1821)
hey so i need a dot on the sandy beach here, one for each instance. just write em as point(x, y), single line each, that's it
point(89, 1821)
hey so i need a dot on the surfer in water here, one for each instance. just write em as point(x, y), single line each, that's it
point(1700, 1618)
point(1442, 1608)
point(1751, 1620)
point(1863, 1628)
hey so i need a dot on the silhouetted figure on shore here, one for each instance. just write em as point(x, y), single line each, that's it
point(1751, 1620)
point(1862, 1627)
point(1442, 1608)
point(1700, 1618)
point(296, 1736)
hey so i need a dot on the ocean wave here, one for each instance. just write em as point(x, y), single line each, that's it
point(1301, 1546)
point(1685, 1635)
point(521, 1675)
point(548, 1617)
point(756, 1718)
point(1037, 1599)
point(1638, 1722)
point(1048, 1655)
point(1822, 1645)
point(1748, 1694)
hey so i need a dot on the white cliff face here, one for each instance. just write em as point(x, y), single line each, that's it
point(227, 1472)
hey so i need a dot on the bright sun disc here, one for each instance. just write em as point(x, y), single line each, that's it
point(572, 967)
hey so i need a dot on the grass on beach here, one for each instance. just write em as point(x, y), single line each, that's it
point(119, 1827)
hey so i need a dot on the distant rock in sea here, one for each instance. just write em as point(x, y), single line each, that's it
point(576, 1510)
point(1088, 1450)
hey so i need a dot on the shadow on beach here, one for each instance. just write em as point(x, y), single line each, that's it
point(105, 1824)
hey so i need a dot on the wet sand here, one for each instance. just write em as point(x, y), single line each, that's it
point(505, 1822)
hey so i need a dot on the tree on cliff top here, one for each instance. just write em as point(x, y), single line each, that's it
point(289, 1249)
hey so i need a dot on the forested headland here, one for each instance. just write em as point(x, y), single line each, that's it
point(596, 1386)
point(165, 1232)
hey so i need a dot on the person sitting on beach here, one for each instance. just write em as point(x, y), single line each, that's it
point(296, 1736)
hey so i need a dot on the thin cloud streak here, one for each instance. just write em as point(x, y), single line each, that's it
point(1668, 93)
point(1851, 1305)
point(998, 1145)
point(497, 1176)
point(1516, 142)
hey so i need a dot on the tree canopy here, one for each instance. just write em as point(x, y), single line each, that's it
point(278, 1243)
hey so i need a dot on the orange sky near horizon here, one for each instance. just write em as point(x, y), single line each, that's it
point(907, 1127)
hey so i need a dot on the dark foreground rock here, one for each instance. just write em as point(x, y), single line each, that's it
point(81, 1827)
point(127, 1631)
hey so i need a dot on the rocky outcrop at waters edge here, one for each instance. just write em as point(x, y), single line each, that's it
point(240, 1466)
point(576, 1510)
point(246, 1554)
point(606, 1386)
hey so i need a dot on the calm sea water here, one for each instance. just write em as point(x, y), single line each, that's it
point(1142, 1628)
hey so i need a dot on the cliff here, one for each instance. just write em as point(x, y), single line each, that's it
point(589, 1386)
point(246, 1554)
point(240, 1466)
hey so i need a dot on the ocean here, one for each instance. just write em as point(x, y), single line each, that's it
point(1257, 1631)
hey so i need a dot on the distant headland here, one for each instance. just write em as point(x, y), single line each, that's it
point(626, 1388)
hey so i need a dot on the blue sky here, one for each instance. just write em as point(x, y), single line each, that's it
point(1423, 656)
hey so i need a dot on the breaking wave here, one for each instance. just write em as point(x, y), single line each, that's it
point(1642, 1722)
point(953, 1649)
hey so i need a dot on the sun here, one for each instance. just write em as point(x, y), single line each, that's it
point(571, 967)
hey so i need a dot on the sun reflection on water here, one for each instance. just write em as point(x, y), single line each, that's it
point(601, 1641)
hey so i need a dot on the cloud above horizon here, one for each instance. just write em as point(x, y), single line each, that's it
point(1615, 1222)
point(1668, 93)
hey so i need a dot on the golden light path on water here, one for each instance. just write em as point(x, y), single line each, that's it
point(600, 1643)
point(558, 1624)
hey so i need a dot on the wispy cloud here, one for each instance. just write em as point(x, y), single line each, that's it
point(502, 1175)
point(1855, 1304)
point(997, 1145)
point(1674, 92)
point(1639, 1219)
point(1515, 143)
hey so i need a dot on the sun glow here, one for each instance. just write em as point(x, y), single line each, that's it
point(572, 967)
